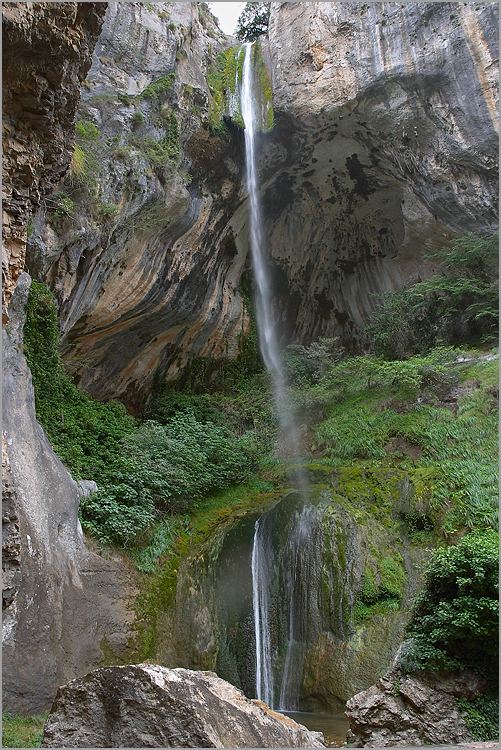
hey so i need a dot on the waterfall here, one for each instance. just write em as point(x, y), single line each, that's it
point(268, 340)
point(300, 574)
point(261, 575)
point(289, 434)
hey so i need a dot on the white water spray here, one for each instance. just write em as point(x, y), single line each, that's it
point(289, 435)
point(261, 607)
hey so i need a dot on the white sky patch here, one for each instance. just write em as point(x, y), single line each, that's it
point(227, 15)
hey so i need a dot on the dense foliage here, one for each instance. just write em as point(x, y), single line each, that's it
point(85, 433)
point(481, 716)
point(165, 469)
point(253, 21)
point(456, 304)
point(455, 622)
point(143, 472)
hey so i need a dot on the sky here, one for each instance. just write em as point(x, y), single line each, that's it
point(227, 14)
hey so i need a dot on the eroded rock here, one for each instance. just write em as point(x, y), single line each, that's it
point(406, 710)
point(151, 706)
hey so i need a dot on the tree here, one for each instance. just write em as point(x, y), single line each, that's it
point(253, 21)
point(455, 619)
point(458, 303)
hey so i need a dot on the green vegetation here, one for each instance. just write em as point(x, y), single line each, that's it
point(165, 469)
point(458, 303)
point(222, 78)
point(381, 413)
point(165, 152)
point(22, 731)
point(481, 716)
point(382, 589)
point(264, 85)
point(455, 620)
point(85, 433)
point(253, 21)
point(155, 91)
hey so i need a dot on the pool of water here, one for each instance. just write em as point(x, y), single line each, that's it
point(333, 726)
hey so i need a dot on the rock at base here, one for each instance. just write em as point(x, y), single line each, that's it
point(404, 710)
point(146, 705)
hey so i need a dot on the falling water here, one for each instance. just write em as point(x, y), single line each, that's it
point(300, 574)
point(268, 340)
point(261, 574)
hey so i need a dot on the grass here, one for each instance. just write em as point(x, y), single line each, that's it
point(22, 731)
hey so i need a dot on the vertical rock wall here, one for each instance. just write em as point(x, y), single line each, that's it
point(60, 601)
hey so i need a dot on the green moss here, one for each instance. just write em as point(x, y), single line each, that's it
point(22, 731)
point(159, 588)
point(156, 91)
point(265, 86)
point(222, 78)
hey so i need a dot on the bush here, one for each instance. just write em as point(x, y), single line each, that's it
point(165, 469)
point(86, 434)
point(455, 620)
point(459, 303)
point(481, 716)
point(307, 364)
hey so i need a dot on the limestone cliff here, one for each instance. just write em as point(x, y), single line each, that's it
point(47, 50)
point(59, 600)
point(384, 141)
point(138, 250)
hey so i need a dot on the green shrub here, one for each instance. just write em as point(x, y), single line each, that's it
point(137, 118)
point(165, 469)
point(455, 620)
point(156, 90)
point(481, 716)
point(459, 303)
point(86, 434)
point(86, 130)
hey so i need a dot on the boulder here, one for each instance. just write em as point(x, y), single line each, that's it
point(146, 705)
point(404, 710)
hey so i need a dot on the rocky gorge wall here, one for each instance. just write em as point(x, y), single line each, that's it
point(60, 601)
point(207, 621)
point(138, 250)
point(384, 141)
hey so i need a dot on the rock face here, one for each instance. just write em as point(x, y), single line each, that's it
point(60, 602)
point(47, 51)
point(143, 263)
point(404, 710)
point(151, 706)
point(385, 141)
point(210, 623)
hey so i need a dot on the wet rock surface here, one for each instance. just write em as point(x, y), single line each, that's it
point(407, 710)
point(152, 706)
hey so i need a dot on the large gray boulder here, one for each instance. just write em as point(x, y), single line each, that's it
point(146, 705)
point(407, 711)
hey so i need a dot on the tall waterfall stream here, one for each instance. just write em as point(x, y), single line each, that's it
point(292, 558)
